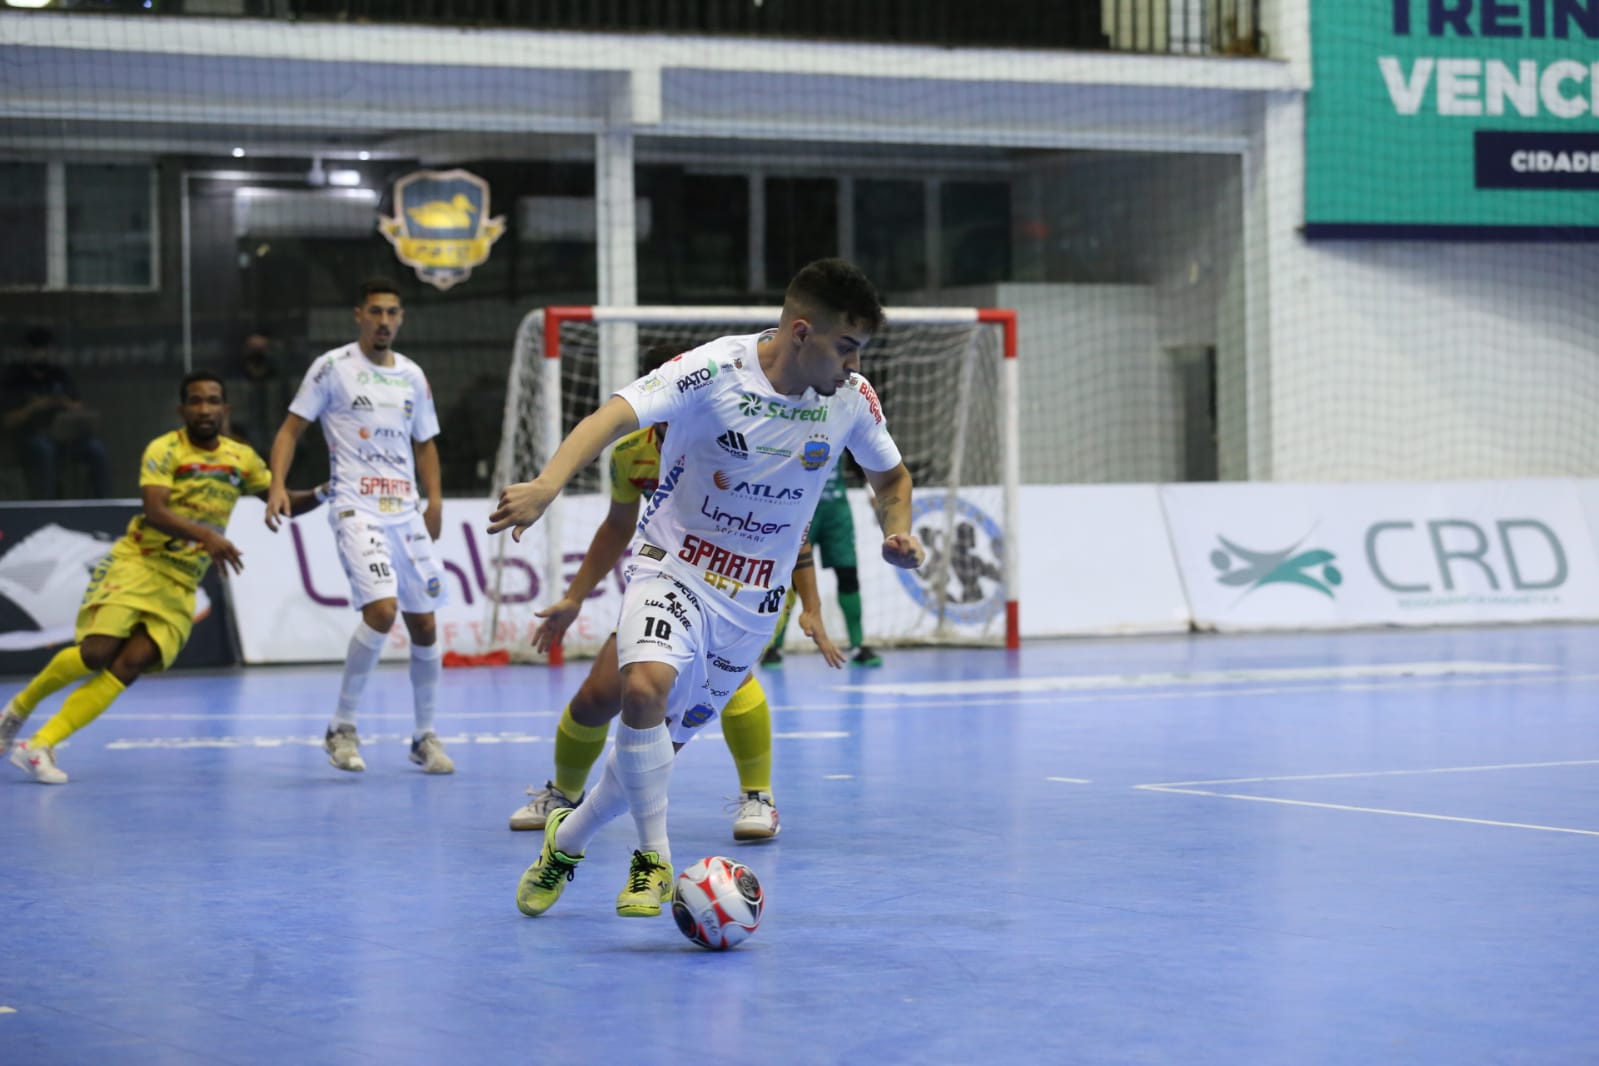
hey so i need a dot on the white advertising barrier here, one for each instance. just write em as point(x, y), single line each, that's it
point(291, 603)
point(1095, 559)
point(1278, 556)
point(1587, 490)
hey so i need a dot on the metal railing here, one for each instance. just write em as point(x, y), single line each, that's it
point(1185, 27)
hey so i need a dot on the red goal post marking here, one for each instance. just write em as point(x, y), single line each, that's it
point(1010, 389)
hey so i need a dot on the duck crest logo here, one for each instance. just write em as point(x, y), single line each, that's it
point(440, 224)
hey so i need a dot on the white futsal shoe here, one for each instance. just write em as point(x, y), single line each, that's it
point(756, 818)
point(343, 746)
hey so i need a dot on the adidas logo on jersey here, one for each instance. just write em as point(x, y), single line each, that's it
point(733, 443)
point(360, 403)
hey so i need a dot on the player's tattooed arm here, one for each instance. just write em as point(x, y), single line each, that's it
point(891, 499)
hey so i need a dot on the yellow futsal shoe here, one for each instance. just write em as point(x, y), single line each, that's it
point(544, 881)
point(649, 884)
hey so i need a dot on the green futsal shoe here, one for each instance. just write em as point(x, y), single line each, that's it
point(544, 881)
point(649, 884)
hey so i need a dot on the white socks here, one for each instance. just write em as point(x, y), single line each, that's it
point(605, 802)
point(426, 665)
point(366, 646)
point(644, 767)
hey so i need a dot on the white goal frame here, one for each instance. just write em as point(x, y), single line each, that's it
point(549, 418)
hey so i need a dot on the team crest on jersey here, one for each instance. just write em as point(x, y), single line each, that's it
point(815, 455)
point(409, 407)
point(441, 224)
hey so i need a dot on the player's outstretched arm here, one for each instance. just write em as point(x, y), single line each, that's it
point(609, 542)
point(279, 505)
point(524, 503)
point(158, 515)
point(300, 500)
point(891, 499)
point(810, 619)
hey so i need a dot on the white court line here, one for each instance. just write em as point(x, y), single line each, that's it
point(1378, 773)
point(1071, 780)
point(1177, 787)
point(908, 705)
point(234, 743)
point(1075, 682)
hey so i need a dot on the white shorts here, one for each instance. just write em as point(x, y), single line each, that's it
point(665, 621)
point(389, 561)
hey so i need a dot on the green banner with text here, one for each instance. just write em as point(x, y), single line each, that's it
point(1474, 119)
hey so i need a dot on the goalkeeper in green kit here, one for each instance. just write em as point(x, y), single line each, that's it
point(833, 533)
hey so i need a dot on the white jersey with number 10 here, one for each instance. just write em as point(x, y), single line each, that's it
point(742, 468)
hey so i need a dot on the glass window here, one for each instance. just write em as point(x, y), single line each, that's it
point(891, 233)
point(801, 225)
point(22, 219)
point(110, 231)
point(976, 231)
point(697, 250)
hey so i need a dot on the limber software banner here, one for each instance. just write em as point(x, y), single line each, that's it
point(1475, 119)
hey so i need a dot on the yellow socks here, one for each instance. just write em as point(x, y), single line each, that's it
point(81, 708)
point(577, 747)
point(747, 725)
point(63, 670)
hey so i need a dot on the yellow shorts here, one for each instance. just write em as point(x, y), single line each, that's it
point(124, 594)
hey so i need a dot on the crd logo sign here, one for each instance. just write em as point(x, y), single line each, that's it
point(1468, 544)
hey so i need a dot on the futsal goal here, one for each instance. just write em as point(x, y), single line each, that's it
point(946, 377)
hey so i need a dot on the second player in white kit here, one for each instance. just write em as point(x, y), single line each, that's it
point(755, 423)
point(376, 411)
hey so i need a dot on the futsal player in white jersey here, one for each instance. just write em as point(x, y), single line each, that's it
point(377, 414)
point(755, 423)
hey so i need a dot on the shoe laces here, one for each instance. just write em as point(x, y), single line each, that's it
point(642, 869)
point(557, 868)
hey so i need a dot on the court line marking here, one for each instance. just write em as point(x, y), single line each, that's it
point(1073, 682)
point(239, 742)
point(1177, 787)
point(1071, 780)
point(903, 705)
point(1378, 773)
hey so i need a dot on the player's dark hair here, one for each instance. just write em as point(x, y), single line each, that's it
point(372, 286)
point(656, 356)
point(839, 286)
point(201, 375)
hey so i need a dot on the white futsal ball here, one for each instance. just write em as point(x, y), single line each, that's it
point(718, 903)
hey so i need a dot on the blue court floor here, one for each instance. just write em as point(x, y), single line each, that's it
point(1358, 848)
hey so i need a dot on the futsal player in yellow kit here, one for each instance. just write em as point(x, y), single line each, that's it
point(580, 736)
point(139, 607)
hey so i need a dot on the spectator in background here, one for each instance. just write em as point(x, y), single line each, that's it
point(257, 383)
point(47, 420)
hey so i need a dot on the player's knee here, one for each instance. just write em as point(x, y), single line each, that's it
point(644, 695)
point(595, 704)
point(134, 659)
point(424, 630)
point(380, 615)
point(848, 579)
point(99, 652)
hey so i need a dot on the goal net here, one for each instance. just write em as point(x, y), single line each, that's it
point(946, 379)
